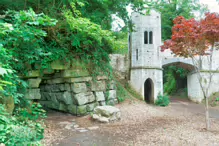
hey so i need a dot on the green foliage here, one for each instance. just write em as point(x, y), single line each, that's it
point(121, 92)
point(214, 99)
point(133, 92)
point(171, 9)
point(170, 76)
point(162, 100)
point(14, 130)
point(121, 43)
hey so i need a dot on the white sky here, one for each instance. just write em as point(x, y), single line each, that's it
point(213, 5)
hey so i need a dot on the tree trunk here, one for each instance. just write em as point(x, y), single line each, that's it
point(207, 114)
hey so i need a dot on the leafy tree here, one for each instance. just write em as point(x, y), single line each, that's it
point(170, 9)
point(196, 40)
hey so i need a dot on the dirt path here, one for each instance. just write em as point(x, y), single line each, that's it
point(181, 123)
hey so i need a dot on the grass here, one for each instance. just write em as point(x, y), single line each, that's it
point(214, 99)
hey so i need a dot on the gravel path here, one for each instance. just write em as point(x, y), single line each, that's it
point(141, 125)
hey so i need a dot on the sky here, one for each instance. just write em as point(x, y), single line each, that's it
point(213, 5)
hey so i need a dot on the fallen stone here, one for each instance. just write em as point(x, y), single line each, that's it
point(106, 114)
point(102, 103)
point(91, 106)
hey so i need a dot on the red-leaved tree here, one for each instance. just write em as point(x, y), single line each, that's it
point(196, 40)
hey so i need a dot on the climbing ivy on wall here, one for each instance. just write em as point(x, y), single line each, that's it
point(170, 78)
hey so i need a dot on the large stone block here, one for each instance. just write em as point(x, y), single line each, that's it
point(60, 65)
point(83, 98)
point(33, 74)
point(75, 73)
point(63, 107)
point(46, 95)
point(91, 106)
point(32, 94)
point(98, 86)
point(81, 110)
point(78, 87)
point(67, 87)
point(99, 96)
point(111, 94)
point(112, 85)
point(55, 81)
point(102, 78)
point(72, 109)
point(65, 97)
point(75, 80)
point(34, 83)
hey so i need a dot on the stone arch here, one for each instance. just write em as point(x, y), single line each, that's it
point(148, 90)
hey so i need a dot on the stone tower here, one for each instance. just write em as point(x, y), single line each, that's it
point(146, 75)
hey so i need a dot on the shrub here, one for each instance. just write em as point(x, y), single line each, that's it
point(162, 100)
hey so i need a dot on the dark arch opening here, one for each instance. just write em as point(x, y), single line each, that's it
point(148, 90)
point(145, 37)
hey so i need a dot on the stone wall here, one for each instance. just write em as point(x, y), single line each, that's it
point(70, 89)
point(120, 65)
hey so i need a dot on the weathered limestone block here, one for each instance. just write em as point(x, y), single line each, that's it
point(98, 86)
point(43, 97)
point(55, 81)
point(102, 78)
point(81, 79)
point(63, 107)
point(34, 83)
point(112, 85)
point(83, 98)
point(81, 110)
point(111, 102)
point(74, 73)
point(48, 71)
point(59, 65)
point(72, 109)
point(32, 94)
point(111, 94)
point(54, 105)
point(106, 113)
point(53, 98)
point(67, 87)
point(91, 106)
point(57, 87)
point(33, 74)
point(99, 96)
point(78, 87)
point(65, 97)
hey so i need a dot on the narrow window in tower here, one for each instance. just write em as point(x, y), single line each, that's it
point(150, 37)
point(136, 54)
point(145, 37)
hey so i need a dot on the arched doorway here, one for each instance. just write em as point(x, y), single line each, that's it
point(148, 90)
